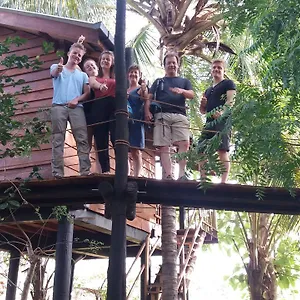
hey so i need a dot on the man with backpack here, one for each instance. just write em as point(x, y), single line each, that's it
point(171, 125)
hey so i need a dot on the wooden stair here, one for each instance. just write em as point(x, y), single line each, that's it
point(189, 241)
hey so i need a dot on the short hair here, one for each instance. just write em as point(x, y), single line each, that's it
point(171, 54)
point(79, 46)
point(89, 59)
point(134, 67)
point(220, 61)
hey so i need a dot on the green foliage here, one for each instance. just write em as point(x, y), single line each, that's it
point(265, 149)
point(287, 266)
point(236, 233)
point(62, 212)
point(17, 137)
point(47, 47)
point(14, 195)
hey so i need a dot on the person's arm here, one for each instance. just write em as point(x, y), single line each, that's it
point(58, 69)
point(143, 91)
point(148, 115)
point(230, 95)
point(85, 96)
point(151, 92)
point(188, 94)
point(95, 85)
point(203, 104)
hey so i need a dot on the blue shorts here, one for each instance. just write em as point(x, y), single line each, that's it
point(136, 134)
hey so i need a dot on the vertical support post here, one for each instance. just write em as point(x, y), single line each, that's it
point(145, 261)
point(12, 281)
point(63, 259)
point(116, 289)
point(73, 262)
point(128, 57)
point(181, 217)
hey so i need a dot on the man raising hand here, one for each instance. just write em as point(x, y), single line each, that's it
point(70, 88)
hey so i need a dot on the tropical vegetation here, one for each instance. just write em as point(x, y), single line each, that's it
point(262, 38)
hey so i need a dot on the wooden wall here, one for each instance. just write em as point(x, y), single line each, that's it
point(147, 217)
point(40, 97)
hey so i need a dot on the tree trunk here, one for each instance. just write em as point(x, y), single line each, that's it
point(33, 261)
point(37, 282)
point(261, 273)
point(265, 289)
point(169, 254)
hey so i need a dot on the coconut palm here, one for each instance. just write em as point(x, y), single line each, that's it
point(188, 27)
point(184, 26)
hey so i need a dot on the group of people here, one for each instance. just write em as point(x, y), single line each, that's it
point(86, 98)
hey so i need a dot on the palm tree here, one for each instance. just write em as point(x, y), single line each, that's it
point(184, 26)
point(186, 31)
point(188, 27)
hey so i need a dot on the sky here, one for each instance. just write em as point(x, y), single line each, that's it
point(207, 280)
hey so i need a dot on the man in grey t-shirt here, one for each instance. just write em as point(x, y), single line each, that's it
point(171, 126)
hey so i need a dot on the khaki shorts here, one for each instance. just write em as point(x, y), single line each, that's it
point(170, 128)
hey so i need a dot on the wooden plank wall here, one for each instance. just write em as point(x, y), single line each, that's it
point(146, 217)
point(39, 97)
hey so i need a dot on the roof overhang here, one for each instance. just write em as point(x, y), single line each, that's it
point(56, 27)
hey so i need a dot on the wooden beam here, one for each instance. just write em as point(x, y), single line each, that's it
point(79, 190)
point(100, 223)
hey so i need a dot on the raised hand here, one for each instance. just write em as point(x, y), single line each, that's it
point(81, 39)
point(103, 87)
point(203, 101)
point(60, 65)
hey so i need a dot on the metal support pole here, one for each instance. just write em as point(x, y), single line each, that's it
point(128, 57)
point(12, 281)
point(116, 289)
point(63, 259)
point(181, 217)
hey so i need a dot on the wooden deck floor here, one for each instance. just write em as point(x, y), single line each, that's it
point(78, 190)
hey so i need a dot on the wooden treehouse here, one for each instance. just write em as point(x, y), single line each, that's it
point(91, 230)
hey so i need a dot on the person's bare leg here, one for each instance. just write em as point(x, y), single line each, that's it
point(165, 158)
point(224, 157)
point(129, 166)
point(137, 161)
point(183, 146)
point(97, 164)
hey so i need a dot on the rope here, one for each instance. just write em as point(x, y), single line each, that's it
point(121, 142)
